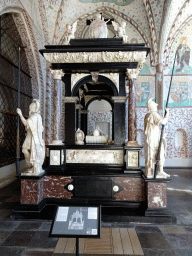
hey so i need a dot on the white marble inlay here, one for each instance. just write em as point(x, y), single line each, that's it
point(62, 157)
point(54, 157)
point(115, 188)
point(132, 158)
point(94, 156)
point(70, 187)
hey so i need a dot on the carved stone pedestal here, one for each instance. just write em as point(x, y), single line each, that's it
point(156, 198)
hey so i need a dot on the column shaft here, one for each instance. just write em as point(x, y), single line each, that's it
point(70, 123)
point(57, 76)
point(48, 123)
point(132, 134)
point(57, 108)
point(159, 85)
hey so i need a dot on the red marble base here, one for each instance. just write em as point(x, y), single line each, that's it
point(156, 193)
point(133, 189)
point(130, 189)
point(33, 191)
point(123, 197)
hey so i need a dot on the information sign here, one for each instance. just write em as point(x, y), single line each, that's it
point(77, 221)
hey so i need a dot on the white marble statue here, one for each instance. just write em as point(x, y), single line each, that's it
point(152, 121)
point(120, 29)
point(70, 32)
point(79, 137)
point(98, 27)
point(34, 146)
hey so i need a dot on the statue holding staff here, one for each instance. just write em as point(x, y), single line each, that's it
point(34, 146)
point(152, 121)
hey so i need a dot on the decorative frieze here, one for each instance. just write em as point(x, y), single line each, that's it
point(99, 57)
point(94, 156)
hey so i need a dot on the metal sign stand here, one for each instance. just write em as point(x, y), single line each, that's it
point(77, 246)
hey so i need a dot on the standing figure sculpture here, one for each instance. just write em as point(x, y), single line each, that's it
point(120, 29)
point(70, 33)
point(34, 146)
point(152, 121)
point(98, 27)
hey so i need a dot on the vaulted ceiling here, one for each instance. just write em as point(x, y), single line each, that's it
point(157, 23)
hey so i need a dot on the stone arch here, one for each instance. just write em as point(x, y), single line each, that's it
point(44, 22)
point(88, 79)
point(24, 27)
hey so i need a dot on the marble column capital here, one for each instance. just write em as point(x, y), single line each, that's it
point(132, 73)
point(70, 99)
point(57, 74)
point(119, 99)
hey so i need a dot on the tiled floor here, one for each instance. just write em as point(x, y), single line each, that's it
point(30, 237)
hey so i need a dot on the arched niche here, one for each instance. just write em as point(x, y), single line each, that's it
point(100, 113)
point(181, 143)
point(98, 93)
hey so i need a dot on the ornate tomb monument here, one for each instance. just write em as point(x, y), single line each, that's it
point(107, 174)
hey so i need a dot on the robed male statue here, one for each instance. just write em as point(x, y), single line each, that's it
point(34, 146)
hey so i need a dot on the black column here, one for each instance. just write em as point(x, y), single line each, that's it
point(84, 118)
point(77, 118)
point(67, 81)
point(122, 84)
point(119, 123)
point(70, 123)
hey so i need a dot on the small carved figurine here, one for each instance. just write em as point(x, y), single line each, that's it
point(98, 27)
point(79, 137)
point(152, 121)
point(70, 33)
point(34, 146)
point(96, 132)
point(120, 29)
